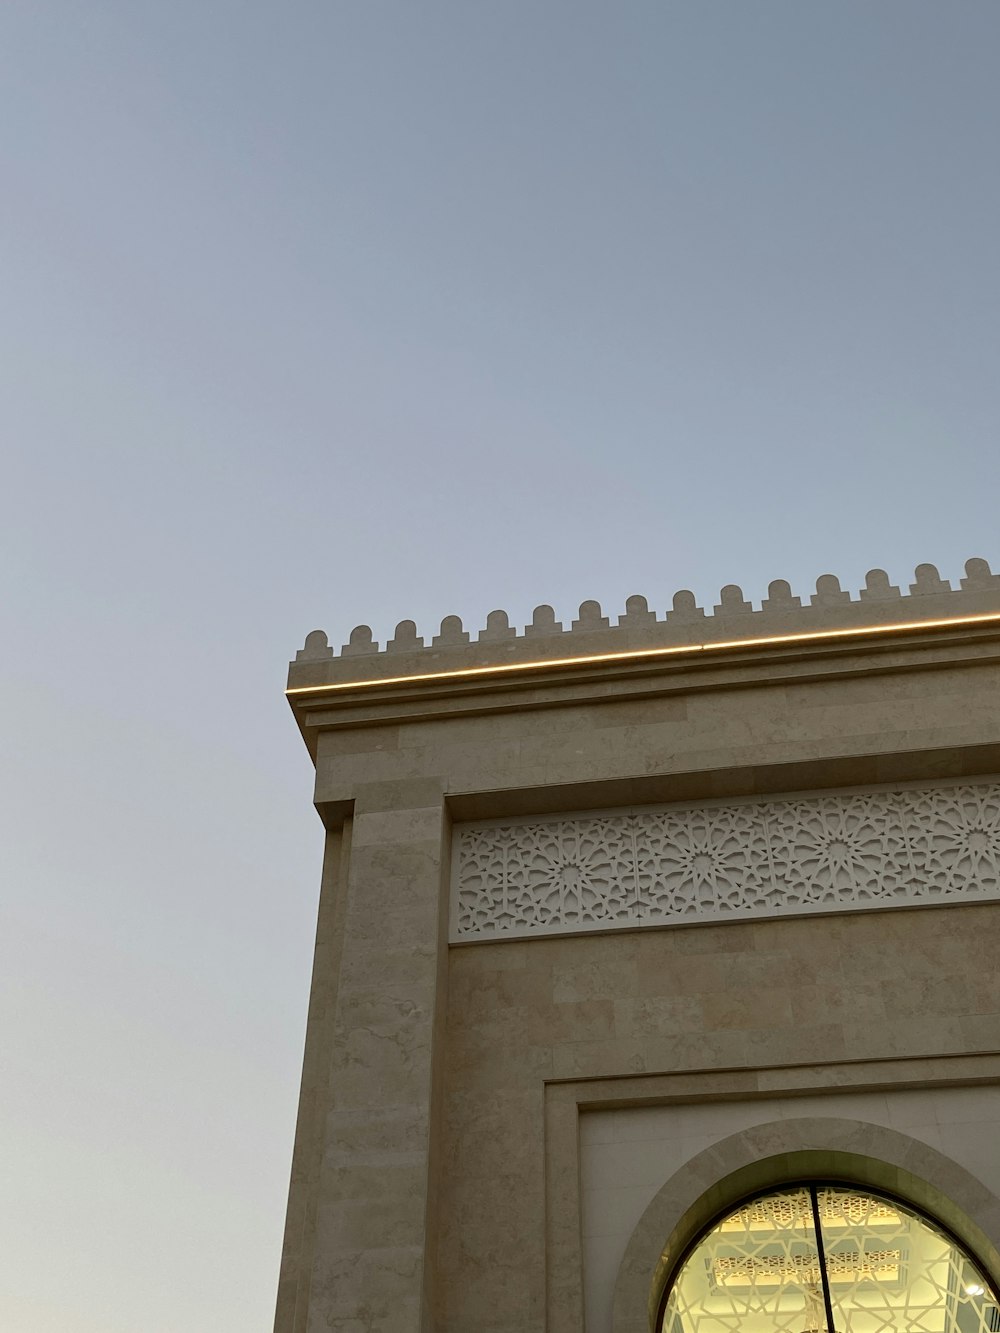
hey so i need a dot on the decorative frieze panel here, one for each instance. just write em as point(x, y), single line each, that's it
point(843, 851)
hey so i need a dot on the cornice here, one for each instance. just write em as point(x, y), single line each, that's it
point(799, 659)
point(684, 627)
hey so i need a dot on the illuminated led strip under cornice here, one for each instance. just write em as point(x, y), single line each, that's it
point(638, 654)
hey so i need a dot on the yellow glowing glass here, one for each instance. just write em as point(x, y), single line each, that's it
point(828, 1259)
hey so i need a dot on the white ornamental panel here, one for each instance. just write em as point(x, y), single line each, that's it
point(841, 851)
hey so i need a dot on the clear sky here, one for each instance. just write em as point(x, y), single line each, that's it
point(328, 312)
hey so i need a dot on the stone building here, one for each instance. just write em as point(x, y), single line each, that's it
point(656, 980)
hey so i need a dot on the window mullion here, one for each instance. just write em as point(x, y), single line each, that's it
point(821, 1256)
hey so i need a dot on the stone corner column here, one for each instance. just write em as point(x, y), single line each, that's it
point(298, 1248)
point(373, 1258)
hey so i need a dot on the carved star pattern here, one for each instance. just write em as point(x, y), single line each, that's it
point(836, 852)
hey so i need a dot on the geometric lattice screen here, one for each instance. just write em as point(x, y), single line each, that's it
point(839, 851)
point(827, 1259)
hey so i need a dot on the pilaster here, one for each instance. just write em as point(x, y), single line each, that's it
point(307, 1156)
point(372, 1267)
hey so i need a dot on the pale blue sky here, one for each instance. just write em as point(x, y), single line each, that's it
point(319, 313)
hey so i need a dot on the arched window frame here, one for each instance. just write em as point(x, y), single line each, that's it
point(813, 1185)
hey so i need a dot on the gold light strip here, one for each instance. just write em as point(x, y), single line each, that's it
point(637, 654)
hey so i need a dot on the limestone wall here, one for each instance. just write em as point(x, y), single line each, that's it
point(437, 1169)
point(890, 998)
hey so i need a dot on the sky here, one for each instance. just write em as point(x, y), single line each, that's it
point(323, 313)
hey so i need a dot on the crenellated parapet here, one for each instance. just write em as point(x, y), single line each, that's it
point(592, 633)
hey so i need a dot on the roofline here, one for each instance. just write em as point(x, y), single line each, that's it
point(644, 654)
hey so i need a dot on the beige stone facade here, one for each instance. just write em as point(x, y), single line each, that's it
point(619, 922)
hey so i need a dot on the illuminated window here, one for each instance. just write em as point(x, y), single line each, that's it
point(828, 1259)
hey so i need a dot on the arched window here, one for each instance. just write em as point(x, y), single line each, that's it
point(816, 1258)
